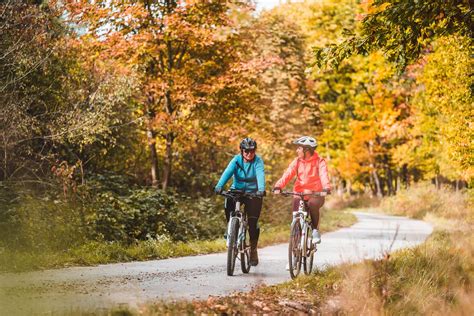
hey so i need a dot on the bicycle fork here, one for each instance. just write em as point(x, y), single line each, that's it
point(229, 225)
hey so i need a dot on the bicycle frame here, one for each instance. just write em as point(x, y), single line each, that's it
point(237, 228)
point(242, 220)
point(301, 249)
point(302, 216)
point(239, 215)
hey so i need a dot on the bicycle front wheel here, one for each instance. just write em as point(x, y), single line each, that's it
point(244, 248)
point(232, 250)
point(308, 251)
point(294, 249)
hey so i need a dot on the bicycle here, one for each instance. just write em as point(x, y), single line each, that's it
point(301, 248)
point(237, 233)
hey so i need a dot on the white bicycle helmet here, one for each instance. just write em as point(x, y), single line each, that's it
point(306, 141)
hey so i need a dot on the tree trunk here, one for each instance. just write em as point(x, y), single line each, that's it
point(151, 138)
point(406, 175)
point(398, 180)
point(389, 181)
point(5, 159)
point(81, 166)
point(372, 185)
point(377, 183)
point(153, 156)
point(437, 184)
point(334, 183)
point(368, 189)
point(382, 185)
point(168, 160)
point(340, 188)
point(348, 187)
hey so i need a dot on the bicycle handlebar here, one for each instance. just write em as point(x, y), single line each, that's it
point(300, 194)
point(237, 194)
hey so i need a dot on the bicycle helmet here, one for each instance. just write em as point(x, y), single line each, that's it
point(248, 144)
point(306, 141)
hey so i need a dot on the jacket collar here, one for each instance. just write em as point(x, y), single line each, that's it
point(314, 157)
point(243, 159)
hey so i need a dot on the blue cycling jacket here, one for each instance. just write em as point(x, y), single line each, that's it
point(248, 176)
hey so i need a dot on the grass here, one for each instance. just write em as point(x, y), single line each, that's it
point(435, 278)
point(94, 253)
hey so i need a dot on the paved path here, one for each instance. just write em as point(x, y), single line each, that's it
point(96, 288)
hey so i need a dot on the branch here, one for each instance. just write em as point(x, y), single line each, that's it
point(26, 74)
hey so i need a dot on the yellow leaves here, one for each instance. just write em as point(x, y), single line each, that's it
point(445, 105)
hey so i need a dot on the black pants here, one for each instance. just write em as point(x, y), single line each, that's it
point(314, 204)
point(253, 207)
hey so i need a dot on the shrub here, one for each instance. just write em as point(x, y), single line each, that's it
point(139, 214)
point(38, 220)
point(201, 218)
point(106, 208)
point(9, 218)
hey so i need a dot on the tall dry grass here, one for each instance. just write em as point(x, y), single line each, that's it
point(337, 202)
point(435, 278)
point(424, 199)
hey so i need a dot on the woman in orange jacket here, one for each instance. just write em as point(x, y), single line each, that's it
point(311, 176)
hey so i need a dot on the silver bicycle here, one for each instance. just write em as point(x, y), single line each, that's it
point(301, 249)
point(238, 240)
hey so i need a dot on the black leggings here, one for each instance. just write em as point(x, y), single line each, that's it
point(253, 207)
point(313, 204)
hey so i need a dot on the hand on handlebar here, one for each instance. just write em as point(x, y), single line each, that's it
point(218, 190)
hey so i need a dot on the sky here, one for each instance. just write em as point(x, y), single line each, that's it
point(267, 4)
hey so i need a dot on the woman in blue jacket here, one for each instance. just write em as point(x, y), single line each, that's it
point(248, 174)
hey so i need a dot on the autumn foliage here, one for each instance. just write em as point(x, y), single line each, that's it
point(157, 95)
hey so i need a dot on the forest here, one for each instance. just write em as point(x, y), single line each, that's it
point(118, 117)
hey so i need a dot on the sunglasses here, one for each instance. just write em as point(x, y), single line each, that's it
point(249, 151)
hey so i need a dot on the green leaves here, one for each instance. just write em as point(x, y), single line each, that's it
point(402, 29)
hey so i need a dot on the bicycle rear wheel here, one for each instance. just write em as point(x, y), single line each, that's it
point(294, 250)
point(309, 251)
point(245, 251)
point(232, 250)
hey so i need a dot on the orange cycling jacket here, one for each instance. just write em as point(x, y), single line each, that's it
point(311, 174)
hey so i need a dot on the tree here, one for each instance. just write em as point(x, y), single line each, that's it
point(52, 108)
point(444, 111)
point(402, 29)
point(180, 51)
point(291, 109)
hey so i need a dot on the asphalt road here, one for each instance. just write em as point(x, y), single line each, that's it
point(134, 283)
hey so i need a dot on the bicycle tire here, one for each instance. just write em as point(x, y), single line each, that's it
point(232, 250)
point(309, 257)
point(245, 252)
point(294, 249)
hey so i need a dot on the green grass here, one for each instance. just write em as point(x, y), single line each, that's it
point(93, 253)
